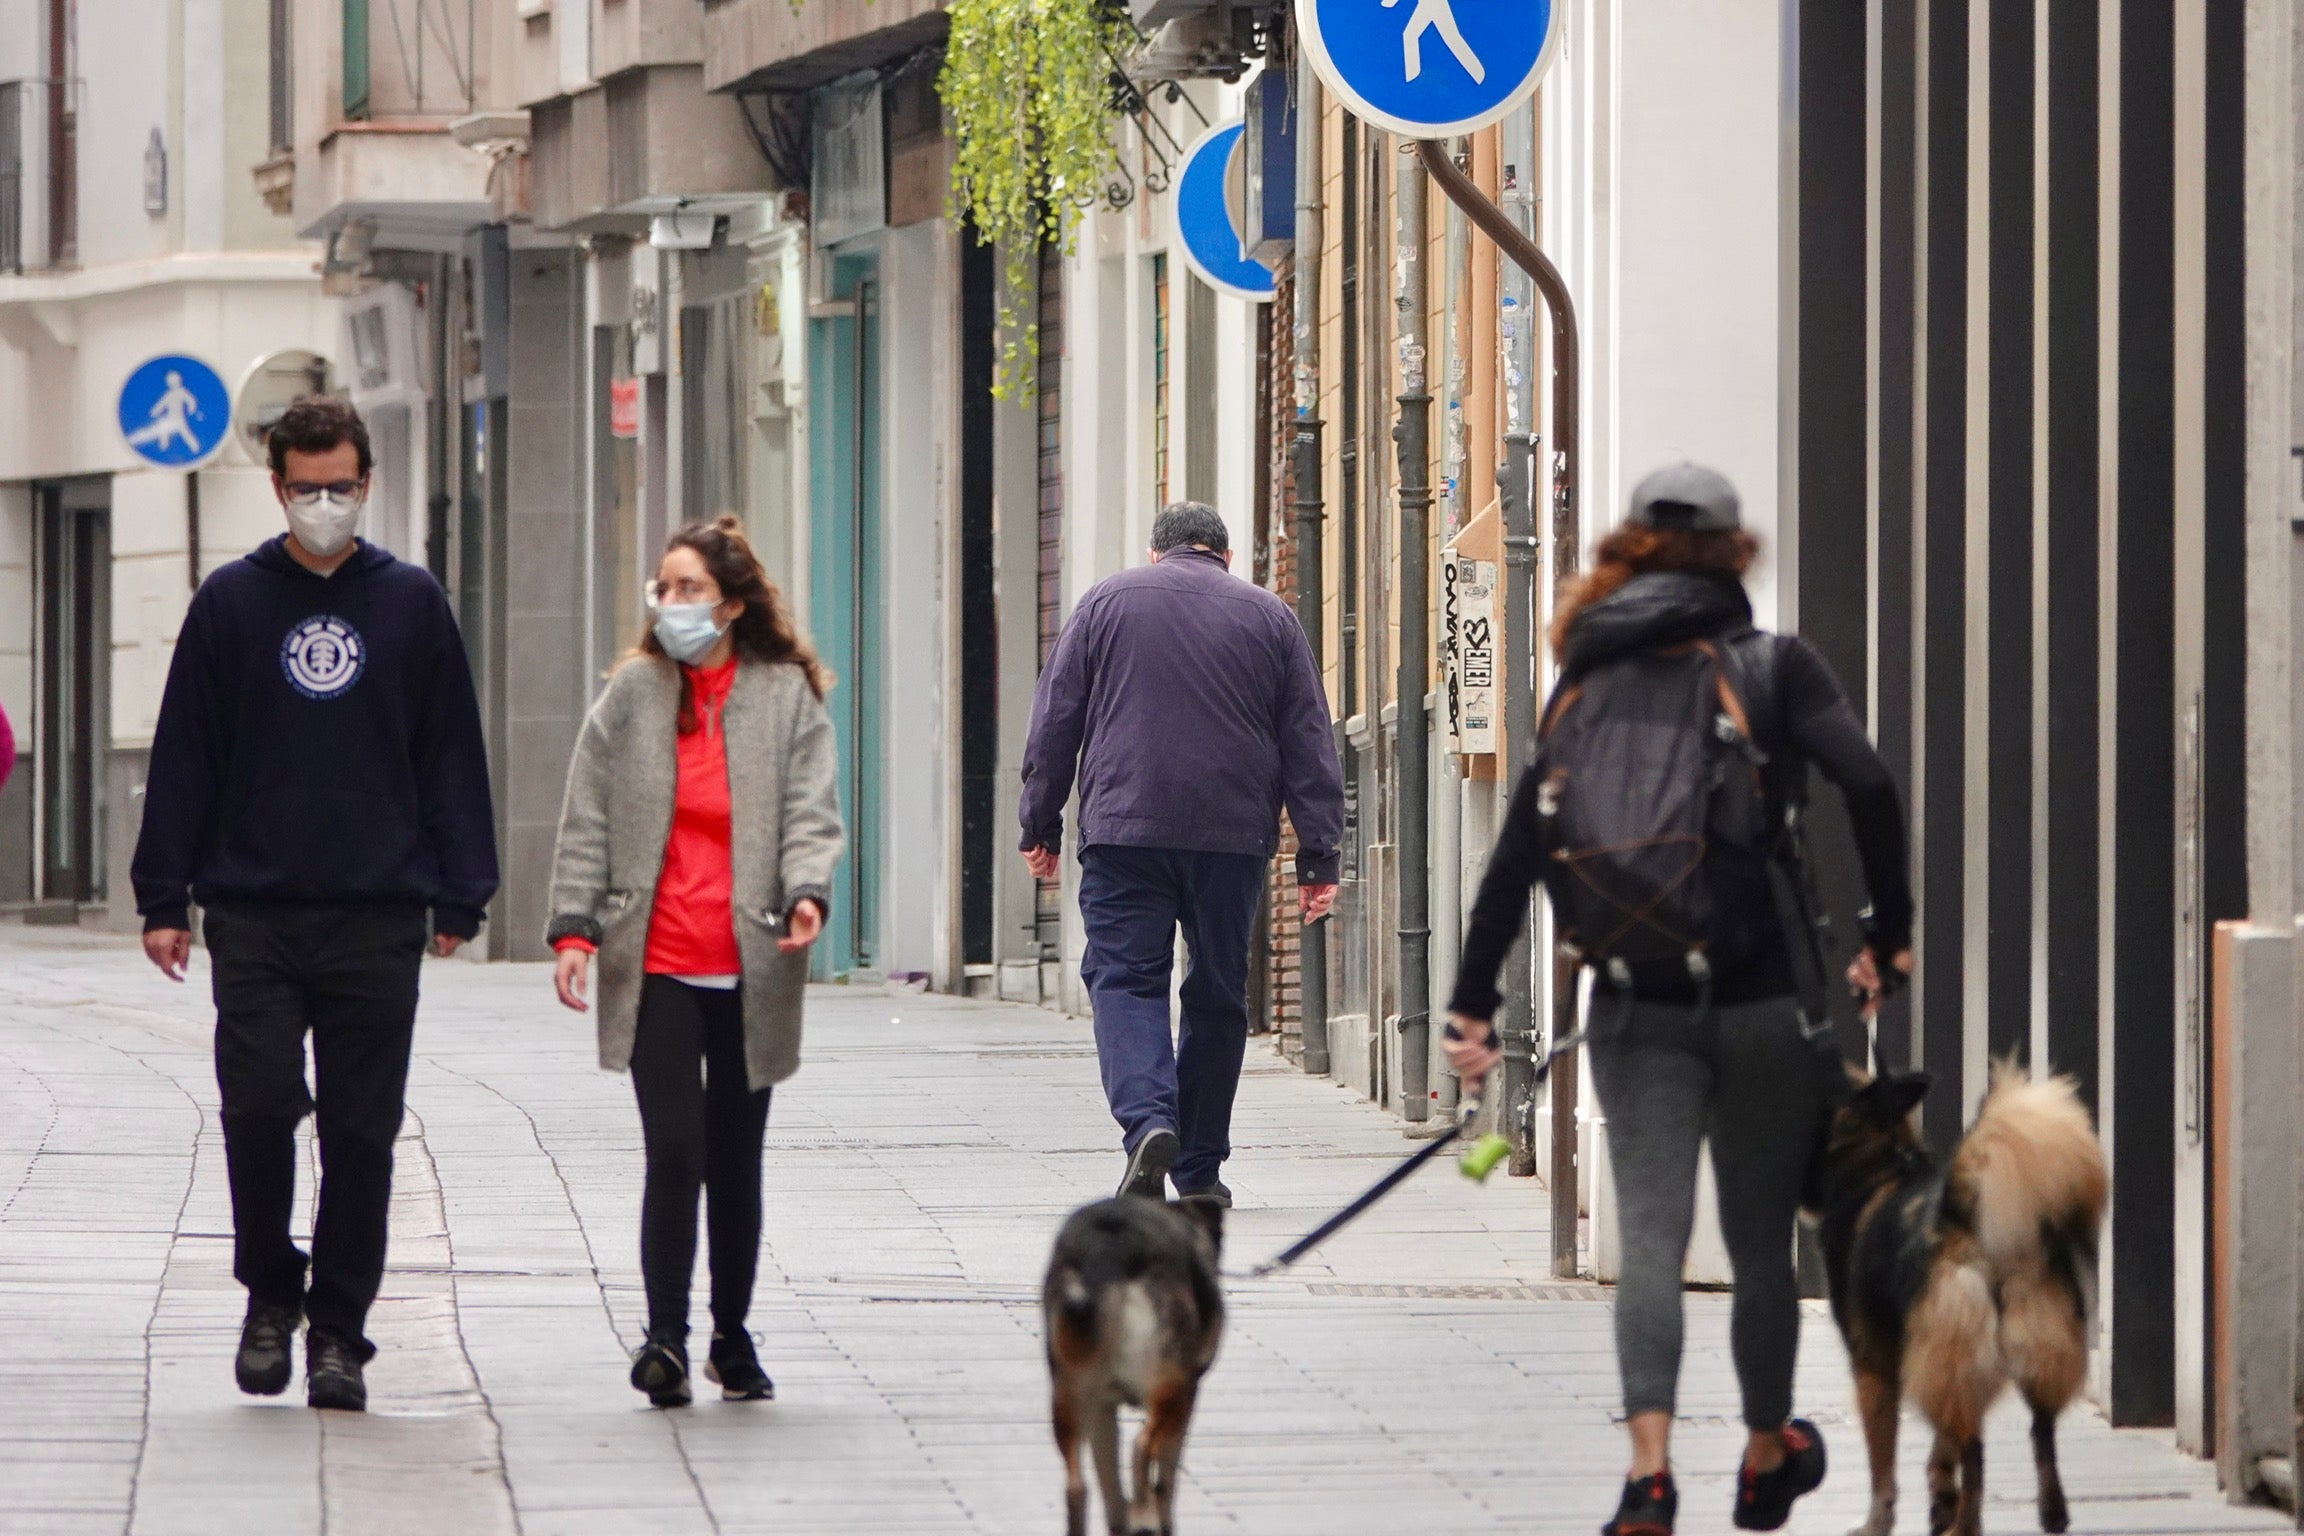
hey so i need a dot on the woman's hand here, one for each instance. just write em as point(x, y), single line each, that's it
point(1472, 1048)
point(569, 975)
point(1865, 979)
point(802, 928)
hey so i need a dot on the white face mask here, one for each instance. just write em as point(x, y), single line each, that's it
point(325, 527)
point(687, 630)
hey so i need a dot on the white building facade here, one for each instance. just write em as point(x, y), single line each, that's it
point(131, 229)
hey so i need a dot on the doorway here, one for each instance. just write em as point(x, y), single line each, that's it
point(74, 725)
point(845, 586)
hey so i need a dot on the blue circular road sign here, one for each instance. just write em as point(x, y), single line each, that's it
point(175, 411)
point(1430, 68)
point(1205, 227)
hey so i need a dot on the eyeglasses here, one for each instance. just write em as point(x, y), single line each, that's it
point(686, 590)
point(306, 493)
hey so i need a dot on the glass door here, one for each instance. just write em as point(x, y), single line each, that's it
point(845, 589)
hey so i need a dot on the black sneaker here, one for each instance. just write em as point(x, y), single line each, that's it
point(1148, 1165)
point(1216, 1192)
point(263, 1367)
point(332, 1376)
point(1764, 1499)
point(1648, 1508)
point(736, 1367)
point(660, 1369)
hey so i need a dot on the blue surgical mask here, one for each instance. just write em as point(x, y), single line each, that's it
point(686, 630)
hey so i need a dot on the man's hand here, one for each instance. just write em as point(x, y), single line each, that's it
point(1043, 863)
point(170, 949)
point(802, 928)
point(446, 944)
point(1472, 1049)
point(1864, 977)
point(1316, 899)
point(570, 974)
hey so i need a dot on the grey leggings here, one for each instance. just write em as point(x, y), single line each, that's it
point(1669, 1077)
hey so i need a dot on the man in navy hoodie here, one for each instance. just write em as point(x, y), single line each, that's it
point(319, 786)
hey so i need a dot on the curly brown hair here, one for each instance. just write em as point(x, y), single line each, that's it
point(1635, 549)
point(315, 424)
point(763, 631)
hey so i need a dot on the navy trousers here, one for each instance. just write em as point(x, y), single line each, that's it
point(1133, 901)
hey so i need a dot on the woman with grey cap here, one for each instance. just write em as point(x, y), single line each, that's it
point(1717, 1048)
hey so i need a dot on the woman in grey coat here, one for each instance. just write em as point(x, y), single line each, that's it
point(697, 843)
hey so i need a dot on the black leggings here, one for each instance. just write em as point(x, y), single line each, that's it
point(704, 1128)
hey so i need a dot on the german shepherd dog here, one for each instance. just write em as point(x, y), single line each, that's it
point(1951, 1283)
point(1133, 1315)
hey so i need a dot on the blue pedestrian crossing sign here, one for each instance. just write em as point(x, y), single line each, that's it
point(1208, 199)
point(1430, 69)
point(175, 411)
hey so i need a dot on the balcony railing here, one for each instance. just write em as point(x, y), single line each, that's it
point(39, 149)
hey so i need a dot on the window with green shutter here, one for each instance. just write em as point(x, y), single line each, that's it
point(355, 60)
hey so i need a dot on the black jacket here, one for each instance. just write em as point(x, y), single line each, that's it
point(319, 740)
point(1806, 718)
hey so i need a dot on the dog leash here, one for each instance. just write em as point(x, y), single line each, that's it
point(1479, 1161)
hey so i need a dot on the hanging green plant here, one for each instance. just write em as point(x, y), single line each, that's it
point(1028, 84)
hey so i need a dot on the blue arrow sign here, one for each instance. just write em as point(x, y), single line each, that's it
point(1206, 229)
point(175, 411)
point(1430, 69)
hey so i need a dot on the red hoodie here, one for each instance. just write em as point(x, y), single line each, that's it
point(692, 931)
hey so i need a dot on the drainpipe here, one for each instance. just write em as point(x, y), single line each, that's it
point(1311, 610)
point(1411, 735)
point(1524, 253)
point(1517, 1025)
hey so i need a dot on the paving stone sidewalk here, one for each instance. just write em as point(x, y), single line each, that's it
point(1417, 1374)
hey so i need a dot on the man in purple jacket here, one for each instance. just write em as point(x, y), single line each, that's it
point(1189, 704)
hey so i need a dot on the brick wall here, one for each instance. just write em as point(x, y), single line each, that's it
point(1281, 940)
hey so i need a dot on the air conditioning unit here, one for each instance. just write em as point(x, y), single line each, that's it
point(1148, 14)
point(1200, 39)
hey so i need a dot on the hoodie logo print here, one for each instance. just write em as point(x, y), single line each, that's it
point(323, 656)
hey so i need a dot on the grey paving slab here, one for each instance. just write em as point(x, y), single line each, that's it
point(1411, 1375)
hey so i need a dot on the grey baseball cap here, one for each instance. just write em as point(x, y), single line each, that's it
point(1686, 496)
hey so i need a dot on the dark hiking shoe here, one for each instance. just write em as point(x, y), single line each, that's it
point(1148, 1165)
point(1648, 1508)
point(736, 1367)
point(1216, 1192)
point(263, 1367)
point(332, 1376)
point(660, 1369)
point(1764, 1499)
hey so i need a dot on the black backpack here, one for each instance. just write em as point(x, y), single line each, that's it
point(1651, 782)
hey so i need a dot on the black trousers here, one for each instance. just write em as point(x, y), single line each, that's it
point(347, 976)
point(704, 1128)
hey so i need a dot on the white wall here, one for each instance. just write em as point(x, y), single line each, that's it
point(228, 314)
point(917, 283)
point(127, 64)
point(1662, 190)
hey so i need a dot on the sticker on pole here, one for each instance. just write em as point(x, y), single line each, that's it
point(1208, 197)
point(175, 411)
point(1430, 69)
